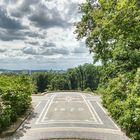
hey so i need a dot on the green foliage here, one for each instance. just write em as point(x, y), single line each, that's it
point(88, 77)
point(60, 82)
point(79, 78)
point(15, 97)
point(88, 90)
point(41, 81)
point(111, 29)
point(122, 98)
point(73, 79)
point(5, 113)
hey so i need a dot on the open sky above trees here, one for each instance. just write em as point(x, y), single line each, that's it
point(38, 34)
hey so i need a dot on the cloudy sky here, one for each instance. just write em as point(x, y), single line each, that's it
point(38, 34)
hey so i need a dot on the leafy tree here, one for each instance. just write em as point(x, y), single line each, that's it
point(122, 99)
point(72, 76)
point(112, 31)
point(91, 76)
point(41, 81)
point(81, 77)
point(60, 82)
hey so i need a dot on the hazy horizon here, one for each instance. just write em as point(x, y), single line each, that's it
point(43, 69)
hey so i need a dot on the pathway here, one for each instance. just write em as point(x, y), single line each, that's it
point(68, 115)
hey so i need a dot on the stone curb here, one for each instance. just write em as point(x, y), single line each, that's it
point(13, 128)
point(43, 93)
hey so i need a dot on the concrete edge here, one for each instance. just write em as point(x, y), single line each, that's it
point(14, 127)
point(44, 93)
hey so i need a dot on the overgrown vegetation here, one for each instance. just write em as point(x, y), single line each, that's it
point(15, 98)
point(111, 29)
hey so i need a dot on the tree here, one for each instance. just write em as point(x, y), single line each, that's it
point(91, 76)
point(41, 80)
point(72, 76)
point(60, 82)
point(80, 75)
point(112, 32)
point(111, 29)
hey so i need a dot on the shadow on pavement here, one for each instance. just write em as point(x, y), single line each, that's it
point(25, 126)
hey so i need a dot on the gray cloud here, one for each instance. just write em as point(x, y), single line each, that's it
point(42, 30)
point(14, 34)
point(73, 10)
point(79, 50)
point(2, 50)
point(35, 43)
point(10, 28)
point(44, 44)
point(53, 51)
point(47, 18)
point(30, 50)
point(33, 34)
point(49, 44)
point(10, 1)
point(7, 22)
point(8, 35)
point(41, 16)
point(24, 8)
point(45, 51)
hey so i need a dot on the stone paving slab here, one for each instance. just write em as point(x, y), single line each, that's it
point(68, 115)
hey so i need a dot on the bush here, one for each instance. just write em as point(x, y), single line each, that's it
point(15, 97)
point(5, 113)
point(122, 98)
point(87, 89)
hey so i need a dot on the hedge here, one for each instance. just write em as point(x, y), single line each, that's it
point(122, 99)
point(15, 98)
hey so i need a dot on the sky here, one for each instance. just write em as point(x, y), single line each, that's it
point(39, 34)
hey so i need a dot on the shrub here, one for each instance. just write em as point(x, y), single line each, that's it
point(5, 118)
point(122, 98)
point(15, 95)
point(88, 89)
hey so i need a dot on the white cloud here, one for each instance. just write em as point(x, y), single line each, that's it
point(39, 35)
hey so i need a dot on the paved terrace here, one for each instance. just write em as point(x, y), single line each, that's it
point(68, 115)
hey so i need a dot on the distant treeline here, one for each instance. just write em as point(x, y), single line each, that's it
point(83, 77)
